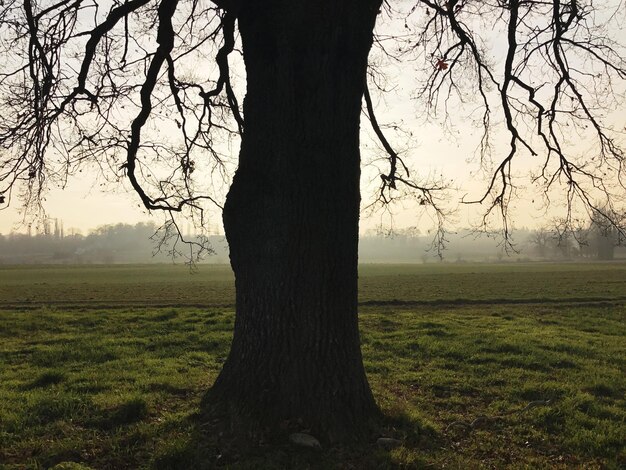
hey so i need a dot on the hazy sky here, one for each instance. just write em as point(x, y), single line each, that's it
point(434, 150)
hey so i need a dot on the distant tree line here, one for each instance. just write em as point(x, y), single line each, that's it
point(593, 239)
point(118, 243)
point(461, 246)
point(125, 243)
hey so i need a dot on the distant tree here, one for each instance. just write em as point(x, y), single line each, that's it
point(595, 238)
point(603, 236)
point(565, 245)
point(85, 81)
point(540, 240)
point(557, 240)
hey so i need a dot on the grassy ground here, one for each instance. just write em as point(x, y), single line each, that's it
point(212, 285)
point(528, 371)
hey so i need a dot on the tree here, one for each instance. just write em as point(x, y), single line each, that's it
point(540, 241)
point(291, 215)
point(596, 237)
point(603, 236)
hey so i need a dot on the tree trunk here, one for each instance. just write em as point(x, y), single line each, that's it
point(291, 220)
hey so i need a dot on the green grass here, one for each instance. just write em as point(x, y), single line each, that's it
point(120, 386)
point(212, 285)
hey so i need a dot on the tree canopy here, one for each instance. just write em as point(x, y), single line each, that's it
point(87, 84)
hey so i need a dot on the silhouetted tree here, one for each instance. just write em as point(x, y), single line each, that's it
point(540, 241)
point(85, 83)
point(604, 236)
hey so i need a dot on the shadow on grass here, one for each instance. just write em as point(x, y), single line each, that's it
point(129, 412)
point(213, 444)
point(46, 379)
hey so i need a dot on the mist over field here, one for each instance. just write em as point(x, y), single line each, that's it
point(140, 243)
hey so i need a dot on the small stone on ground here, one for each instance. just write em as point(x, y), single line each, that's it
point(304, 440)
point(388, 443)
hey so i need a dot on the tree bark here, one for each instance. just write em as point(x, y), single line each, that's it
point(291, 220)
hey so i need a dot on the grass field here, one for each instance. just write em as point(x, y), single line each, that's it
point(212, 285)
point(475, 366)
